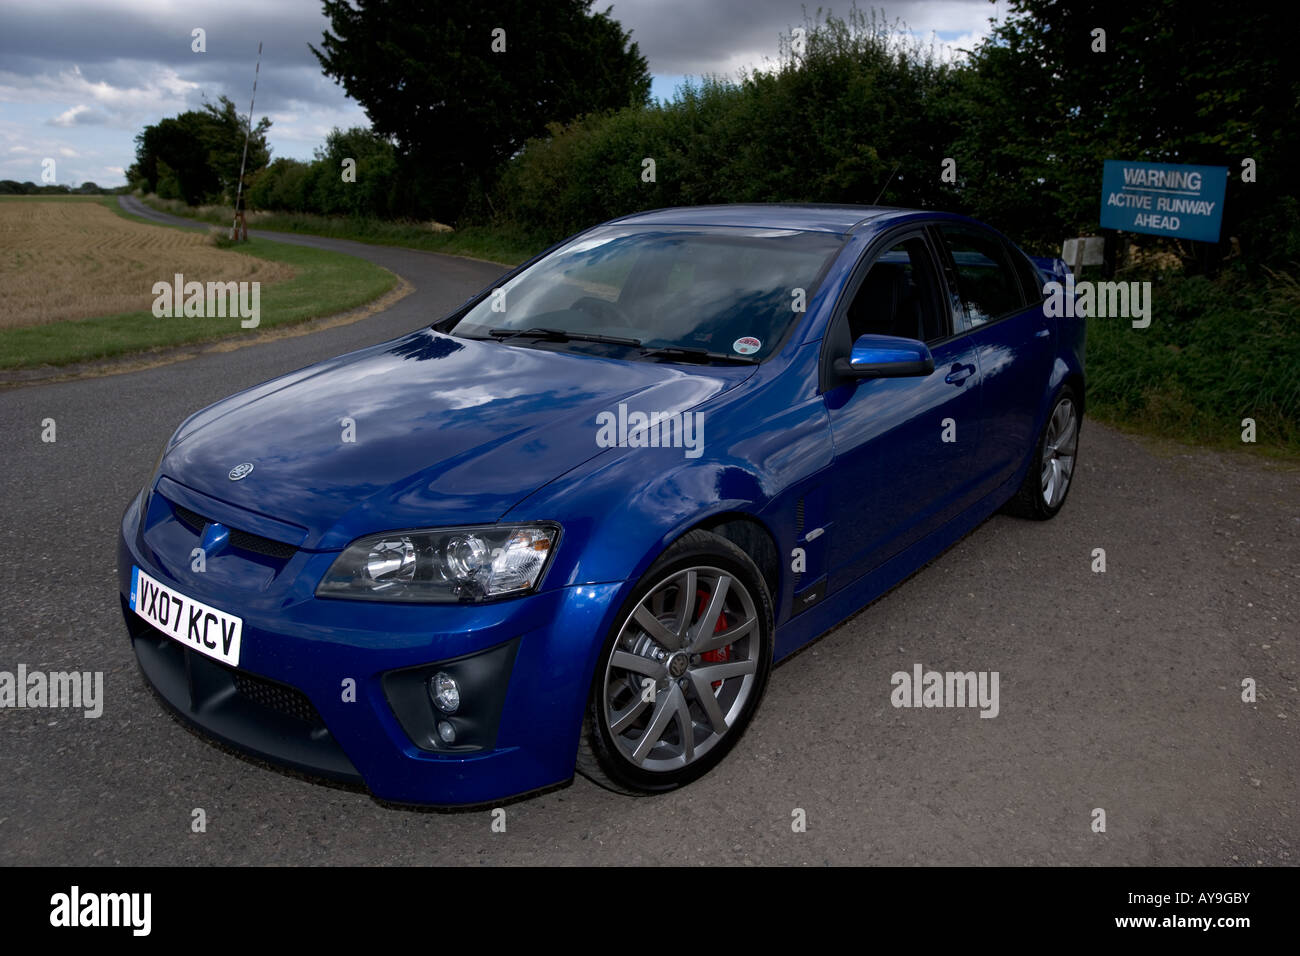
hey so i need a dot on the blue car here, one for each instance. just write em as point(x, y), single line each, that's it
point(573, 524)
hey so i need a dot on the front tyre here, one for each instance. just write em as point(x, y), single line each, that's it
point(682, 671)
point(1051, 472)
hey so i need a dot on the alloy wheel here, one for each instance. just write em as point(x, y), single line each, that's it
point(1059, 448)
point(682, 669)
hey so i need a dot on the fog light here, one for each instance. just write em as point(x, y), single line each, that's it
point(447, 732)
point(445, 693)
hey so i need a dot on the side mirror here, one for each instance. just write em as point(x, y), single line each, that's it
point(886, 356)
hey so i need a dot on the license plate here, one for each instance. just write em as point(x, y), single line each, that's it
point(196, 625)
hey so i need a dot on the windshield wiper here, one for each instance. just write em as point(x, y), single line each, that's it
point(560, 335)
point(688, 354)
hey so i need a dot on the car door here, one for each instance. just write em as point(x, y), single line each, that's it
point(904, 448)
point(1002, 312)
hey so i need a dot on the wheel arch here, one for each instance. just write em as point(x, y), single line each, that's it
point(753, 537)
point(1074, 380)
point(1064, 374)
point(742, 529)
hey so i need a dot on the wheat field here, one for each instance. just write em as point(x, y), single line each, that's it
point(62, 260)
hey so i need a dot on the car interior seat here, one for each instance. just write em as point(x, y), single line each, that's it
point(887, 303)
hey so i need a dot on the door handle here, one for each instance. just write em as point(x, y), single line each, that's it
point(1042, 333)
point(959, 374)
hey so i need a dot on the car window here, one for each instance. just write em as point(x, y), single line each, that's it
point(1031, 280)
point(729, 290)
point(986, 280)
point(899, 296)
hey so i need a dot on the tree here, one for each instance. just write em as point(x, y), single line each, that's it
point(373, 174)
point(1178, 82)
point(224, 139)
point(429, 79)
point(196, 156)
point(849, 119)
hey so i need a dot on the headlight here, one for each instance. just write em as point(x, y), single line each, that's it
point(442, 565)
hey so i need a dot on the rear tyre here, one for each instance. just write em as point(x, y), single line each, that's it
point(1051, 471)
point(682, 671)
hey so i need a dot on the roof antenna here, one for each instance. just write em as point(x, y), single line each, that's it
point(886, 186)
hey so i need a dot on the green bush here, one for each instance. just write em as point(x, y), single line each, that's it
point(848, 120)
point(1217, 351)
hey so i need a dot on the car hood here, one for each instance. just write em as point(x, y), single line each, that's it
point(426, 430)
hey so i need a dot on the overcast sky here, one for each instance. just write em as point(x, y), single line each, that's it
point(79, 78)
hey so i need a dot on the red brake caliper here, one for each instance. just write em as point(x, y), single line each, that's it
point(722, 654)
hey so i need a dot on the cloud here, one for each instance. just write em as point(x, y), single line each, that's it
point(123, 97)
point(719, 36)
point(950, 50)
point(98, 73)
point(79, 115)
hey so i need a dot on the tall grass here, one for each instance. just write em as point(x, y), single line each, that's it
point(1216, 352)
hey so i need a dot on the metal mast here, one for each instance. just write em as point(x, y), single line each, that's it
point(248, 128)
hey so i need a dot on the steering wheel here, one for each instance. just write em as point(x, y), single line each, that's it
point(603, 309)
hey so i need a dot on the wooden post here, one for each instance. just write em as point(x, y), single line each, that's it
point(1111, 254)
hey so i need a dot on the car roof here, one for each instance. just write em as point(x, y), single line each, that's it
point(809, 217)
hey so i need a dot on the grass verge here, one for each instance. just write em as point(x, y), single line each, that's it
point(325, 283)
point(508, 246)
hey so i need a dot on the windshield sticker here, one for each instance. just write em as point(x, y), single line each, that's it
point(746, 345)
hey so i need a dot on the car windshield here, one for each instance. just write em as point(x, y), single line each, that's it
point(725, 291)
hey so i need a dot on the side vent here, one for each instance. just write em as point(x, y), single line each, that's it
point(807, 594)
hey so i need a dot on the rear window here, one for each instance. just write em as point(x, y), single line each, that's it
point(1031, 280)
point(986, 278)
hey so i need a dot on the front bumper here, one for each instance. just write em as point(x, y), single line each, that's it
point(309, 691)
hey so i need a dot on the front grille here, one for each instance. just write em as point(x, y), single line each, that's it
point(278, 697)
point(259, 545)
point(252, 713)
point(188, 517)
point(243, 540)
